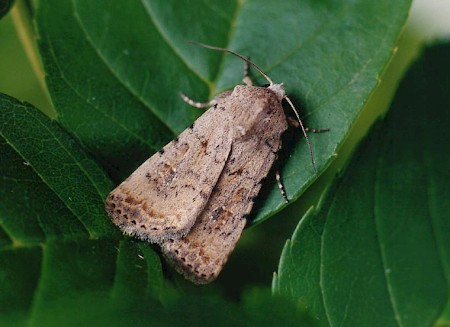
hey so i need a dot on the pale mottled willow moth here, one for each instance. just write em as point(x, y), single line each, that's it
point(193, 197)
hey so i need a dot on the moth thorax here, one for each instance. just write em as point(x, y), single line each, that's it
point(278, 89)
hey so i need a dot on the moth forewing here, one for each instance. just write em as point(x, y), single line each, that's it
point(165, 195)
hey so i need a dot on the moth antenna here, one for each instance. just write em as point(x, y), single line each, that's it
point(237, 55)
point(311, 155)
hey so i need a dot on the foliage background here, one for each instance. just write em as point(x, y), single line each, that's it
point(244, 298)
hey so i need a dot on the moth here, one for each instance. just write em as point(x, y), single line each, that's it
point(194, 196)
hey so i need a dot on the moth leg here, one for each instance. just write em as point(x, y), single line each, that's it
point(293, 122)
point(197, 104)
point(316, 130)
point(247, 80)
point(281, 186)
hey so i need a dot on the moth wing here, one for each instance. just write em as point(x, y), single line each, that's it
point(164, 196)
point(202, 253)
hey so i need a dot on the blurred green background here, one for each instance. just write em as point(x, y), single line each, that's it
point(17, 77)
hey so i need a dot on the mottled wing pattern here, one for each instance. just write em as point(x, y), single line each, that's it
point(165, 195)
point(258, 126)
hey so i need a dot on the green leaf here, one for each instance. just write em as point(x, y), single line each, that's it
point(55, 238)
point(377, 250)
point(38, 153)
point(95, 278)
point(114, 69)
point(195, 310)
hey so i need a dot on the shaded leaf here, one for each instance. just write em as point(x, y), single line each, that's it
point(115, 68)
point(259, 309)
point(55, 238)
point(50, 185)
point(377, 250)
point(5, 5)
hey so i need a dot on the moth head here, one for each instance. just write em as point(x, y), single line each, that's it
point(278, 89)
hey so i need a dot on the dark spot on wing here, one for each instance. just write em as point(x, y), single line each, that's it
point(216, 213)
